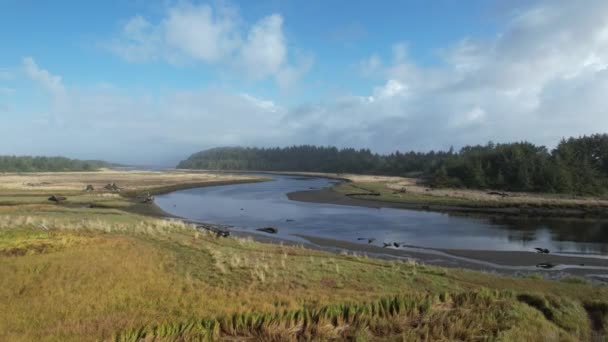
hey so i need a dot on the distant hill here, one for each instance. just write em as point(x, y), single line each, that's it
point(49, 164)
point(575, 166)
point(294, 158)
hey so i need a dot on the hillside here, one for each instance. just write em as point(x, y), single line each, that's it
point(576, 166)
point(49, 164)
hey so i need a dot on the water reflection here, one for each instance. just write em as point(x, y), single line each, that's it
point(251, 206)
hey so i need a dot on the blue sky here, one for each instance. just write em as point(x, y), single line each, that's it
point(150, 82)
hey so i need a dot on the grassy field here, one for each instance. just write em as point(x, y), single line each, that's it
point(81, 273)
point(408, 192)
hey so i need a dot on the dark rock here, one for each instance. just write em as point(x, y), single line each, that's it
point(89, 188)
point(270, 230)
point(545, 265)
point(541, 250)
point(385, 244)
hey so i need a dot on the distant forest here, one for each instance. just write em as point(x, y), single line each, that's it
point(43, 164)
point(575, 166)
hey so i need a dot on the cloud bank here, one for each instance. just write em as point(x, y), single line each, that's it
point(542, 77)
point(190, 33)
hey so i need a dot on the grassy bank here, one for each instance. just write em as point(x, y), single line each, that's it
point(82, 273)
point(411, 193)
point(103, 274)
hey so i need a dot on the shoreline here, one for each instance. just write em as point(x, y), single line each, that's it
point(330, 196)
point(510, 263)
point(153, 210)
point(468, 206)
point(515, 263)
point(507, 263)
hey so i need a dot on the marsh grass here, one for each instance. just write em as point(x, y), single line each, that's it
point(103, 271)
point(478, 315)
point(418, 194)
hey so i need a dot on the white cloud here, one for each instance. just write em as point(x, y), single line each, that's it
point(139, 42)
point(542, 77)
point(199, 32)
point(265, 52)
point(539, 79)
point(214, 35)
point(48, 81)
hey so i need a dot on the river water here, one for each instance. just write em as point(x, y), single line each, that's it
point(250, 206)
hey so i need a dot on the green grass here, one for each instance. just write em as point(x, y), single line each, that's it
point(423, 199)
point(78, 273)
point(105, 273)
point(479, 315)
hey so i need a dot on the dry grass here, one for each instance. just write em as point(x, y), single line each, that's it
point(408, 191)
point(129, 181)
point(416, 191)
point(89, 277)
point(69, 273)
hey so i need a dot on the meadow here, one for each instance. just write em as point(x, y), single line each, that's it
point(81, 272)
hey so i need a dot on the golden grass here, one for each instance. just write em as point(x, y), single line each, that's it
point(73, 273)
point(418, 192)
point(128, 180)
point(104, 273)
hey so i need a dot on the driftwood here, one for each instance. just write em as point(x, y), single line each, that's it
point(148, 198)
point(542, 250)
point(218, 231)
point(363, 194)
point(270, 230)
point(498, 193)
point(57, 199)
point(112, 187)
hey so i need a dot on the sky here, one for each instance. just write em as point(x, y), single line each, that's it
point(150, 82)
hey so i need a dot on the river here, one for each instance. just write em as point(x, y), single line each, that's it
point(250, 206)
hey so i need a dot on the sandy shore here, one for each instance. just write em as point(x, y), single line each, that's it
point(505, 262)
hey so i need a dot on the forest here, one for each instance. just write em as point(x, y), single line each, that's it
point(48, 164)
point(575, 166)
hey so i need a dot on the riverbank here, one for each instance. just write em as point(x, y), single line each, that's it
point(76, 272)
point(408, 193)
point(293, 220)
point(512, 263)
point(128, 193)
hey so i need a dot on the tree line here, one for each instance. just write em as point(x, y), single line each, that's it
point(576, 165)
point(48, 164)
